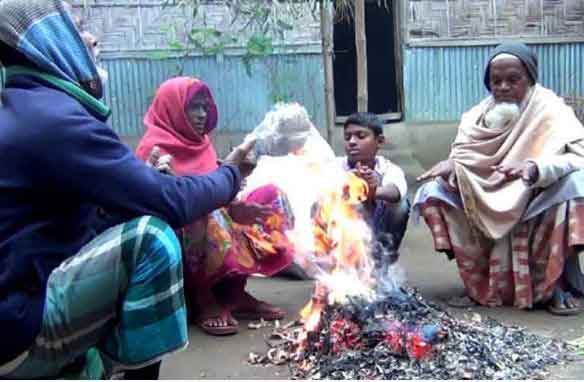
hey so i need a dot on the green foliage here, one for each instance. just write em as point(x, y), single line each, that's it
point(259, 45)
point(253, 25)
point(210, 41)
point(159, 55)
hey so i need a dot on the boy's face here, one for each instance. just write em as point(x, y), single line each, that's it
point(361, 144)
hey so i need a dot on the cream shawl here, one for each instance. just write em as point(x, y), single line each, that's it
point(545, 127)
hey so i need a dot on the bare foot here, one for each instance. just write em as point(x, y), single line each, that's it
point(248, 307)
point(231, 293)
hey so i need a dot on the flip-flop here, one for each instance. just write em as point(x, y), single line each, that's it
point(574, 311)
point(262, 310)
point(461, 302)
point(225, 330)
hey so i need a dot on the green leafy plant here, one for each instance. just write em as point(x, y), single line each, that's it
point(257, 46)
point(252, 24)
point(210, 41)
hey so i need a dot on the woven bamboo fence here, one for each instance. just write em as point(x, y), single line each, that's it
point(488, 19)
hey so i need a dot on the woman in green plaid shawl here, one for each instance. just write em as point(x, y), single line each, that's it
point(64, 286)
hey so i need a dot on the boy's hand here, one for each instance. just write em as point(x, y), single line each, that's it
point(369, 176)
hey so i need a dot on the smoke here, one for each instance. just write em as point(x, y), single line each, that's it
point(326, 215)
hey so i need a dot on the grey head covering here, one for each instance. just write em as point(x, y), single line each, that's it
point(519, 50)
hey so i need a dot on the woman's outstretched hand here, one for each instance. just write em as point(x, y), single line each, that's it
point(241, 157)
point(249, 213)
point(441, 169)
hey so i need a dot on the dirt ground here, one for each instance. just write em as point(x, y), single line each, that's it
point(225, 357)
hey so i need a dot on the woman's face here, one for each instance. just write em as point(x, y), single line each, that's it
point(95, 88)
point(92, 44)
point(509, 80)
point(196, 111)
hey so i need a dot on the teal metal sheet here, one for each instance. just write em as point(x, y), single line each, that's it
point(243, 92)
point(442, 82)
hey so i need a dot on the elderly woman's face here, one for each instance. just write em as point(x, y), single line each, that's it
point(509, 80)
point(196, 111)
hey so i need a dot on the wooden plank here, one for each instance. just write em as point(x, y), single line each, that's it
point(326, 27)
point(491, 41)
point(386, 117)
point(399, 67)
point(361, 51)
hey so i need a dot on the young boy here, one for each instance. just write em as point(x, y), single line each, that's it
point(388, 208)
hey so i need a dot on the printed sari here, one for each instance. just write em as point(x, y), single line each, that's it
point(214, 248)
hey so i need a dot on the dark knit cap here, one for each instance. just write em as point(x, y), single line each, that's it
point(519, 50)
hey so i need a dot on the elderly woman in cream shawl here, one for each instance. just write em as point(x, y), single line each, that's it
point(508, 203)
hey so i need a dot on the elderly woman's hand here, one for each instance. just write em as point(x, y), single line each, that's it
point(162, 163)
point(442, 169)
point(526, 170)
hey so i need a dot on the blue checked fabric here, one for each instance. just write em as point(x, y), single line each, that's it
point(45, 33)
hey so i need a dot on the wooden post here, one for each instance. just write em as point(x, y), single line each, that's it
point(361, 50)
point(326, 29)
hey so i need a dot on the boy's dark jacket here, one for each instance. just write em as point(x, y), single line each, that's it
point(59, 162)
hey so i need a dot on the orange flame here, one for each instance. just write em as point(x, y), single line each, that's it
point(338, 243)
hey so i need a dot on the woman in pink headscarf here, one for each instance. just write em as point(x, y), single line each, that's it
point(223, 250)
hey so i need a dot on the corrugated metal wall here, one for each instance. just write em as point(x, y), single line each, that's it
point(242, 98)
point(442, 82)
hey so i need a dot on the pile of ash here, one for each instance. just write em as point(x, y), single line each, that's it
point(401, 336)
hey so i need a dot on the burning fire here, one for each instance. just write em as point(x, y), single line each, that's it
point(331, 238)
point(341, 248)
point(310, 314)
point(384, 326)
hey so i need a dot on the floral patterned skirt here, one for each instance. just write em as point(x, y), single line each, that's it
point(216, 247)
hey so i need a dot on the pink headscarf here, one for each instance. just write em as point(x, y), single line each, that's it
point(168, 127)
